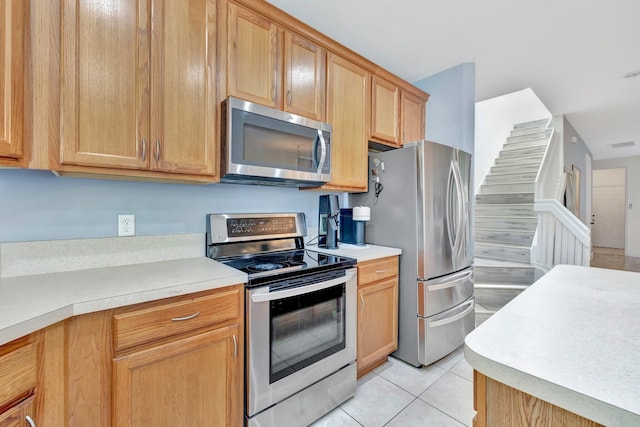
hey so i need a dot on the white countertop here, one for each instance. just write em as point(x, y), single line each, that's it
point(360, 253)
point(29, 303)
point(42, 283)
point(571, 339)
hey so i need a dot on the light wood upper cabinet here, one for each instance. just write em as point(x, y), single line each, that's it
point(138, 85)
point(348, 106)
point(385, 111)
point(304, 78)
point(189, 381)
point(413, 117)
point(273, 66)
point(254, 57)
point(12, 72)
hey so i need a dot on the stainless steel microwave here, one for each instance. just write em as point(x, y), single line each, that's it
point(262, 145)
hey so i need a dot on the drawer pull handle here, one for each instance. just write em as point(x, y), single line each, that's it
point(235, 346)
point(144, 149)
point(381, 271)
point(30, 421)
point(362, 299)
point(179, 319)
point(157, 151)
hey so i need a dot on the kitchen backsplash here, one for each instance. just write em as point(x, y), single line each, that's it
point(36, 205)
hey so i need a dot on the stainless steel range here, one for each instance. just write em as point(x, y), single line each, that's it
point(300, 318)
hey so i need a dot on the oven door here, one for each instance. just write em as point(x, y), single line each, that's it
point(298, 336)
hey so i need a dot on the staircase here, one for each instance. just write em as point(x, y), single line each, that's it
point(505, 222)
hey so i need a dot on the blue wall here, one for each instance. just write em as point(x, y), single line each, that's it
point(451, 106)
point(36, 205)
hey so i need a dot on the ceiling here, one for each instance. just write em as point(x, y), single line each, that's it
point(572, 53)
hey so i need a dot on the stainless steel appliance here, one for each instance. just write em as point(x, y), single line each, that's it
point(263, 145)
point(328, 223)
point(420, 202)
point(300, 317)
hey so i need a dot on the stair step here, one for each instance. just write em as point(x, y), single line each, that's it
point(503, 251)
point(519, 160)
point(508, 209)
point(523, 274)
point(518, 152)
point(504, 178)
point(504, 198)
point(529, 130)
point(513, 187)
point(531, 124)
point(493, 298)
point(523, 167)
point(506, 223)
point(526, 144)
point(528, 137)
point(513, 237)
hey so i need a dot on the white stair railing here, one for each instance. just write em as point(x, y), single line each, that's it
point(560, 238)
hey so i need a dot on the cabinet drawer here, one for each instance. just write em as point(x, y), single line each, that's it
point(171, 318)
point(372, 271)
point(17, 373)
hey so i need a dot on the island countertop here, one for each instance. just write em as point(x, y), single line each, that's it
point(571, 339)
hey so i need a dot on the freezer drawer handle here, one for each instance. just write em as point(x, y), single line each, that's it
point(450, 284)
point(452, 318)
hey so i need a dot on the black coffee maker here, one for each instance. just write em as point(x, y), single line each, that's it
point(328, 214)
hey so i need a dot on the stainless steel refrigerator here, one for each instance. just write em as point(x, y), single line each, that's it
point(419, 197)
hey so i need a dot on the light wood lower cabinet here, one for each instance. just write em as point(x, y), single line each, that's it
point(19, 415)
point(172, 362)
point(498, 405)
point(187, 381)
point(18, 382)
point(377, 312)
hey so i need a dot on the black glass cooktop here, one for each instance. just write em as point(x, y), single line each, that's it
point(269, 267)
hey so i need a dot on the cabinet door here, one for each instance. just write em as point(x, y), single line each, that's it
point(193, 381)
point(385, 111)
point(254, 70)
point(413, 117)
point(12, 24)
point(183, 86)
point(105, 83)
point(304, 64)
point(377, 321)
point(18, 415)
point(347, 111)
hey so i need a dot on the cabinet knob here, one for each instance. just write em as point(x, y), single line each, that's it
point(29, 420)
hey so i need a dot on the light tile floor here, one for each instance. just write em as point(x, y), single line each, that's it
point(614, 259)
point(399, 395)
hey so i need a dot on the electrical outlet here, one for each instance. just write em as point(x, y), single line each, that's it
point(126, 225)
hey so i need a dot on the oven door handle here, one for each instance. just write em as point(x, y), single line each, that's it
point(263, 294)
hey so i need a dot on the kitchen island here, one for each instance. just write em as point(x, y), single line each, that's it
point(564, 352)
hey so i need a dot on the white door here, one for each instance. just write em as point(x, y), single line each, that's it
point(608, 217)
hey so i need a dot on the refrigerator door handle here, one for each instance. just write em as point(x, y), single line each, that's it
point(454, 318)
point(448, 209)
point(460, 223)
point(449, 283)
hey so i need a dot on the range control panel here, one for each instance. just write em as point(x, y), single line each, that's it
point(245, 227)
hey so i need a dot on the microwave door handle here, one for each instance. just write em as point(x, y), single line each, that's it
point(323, 152)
